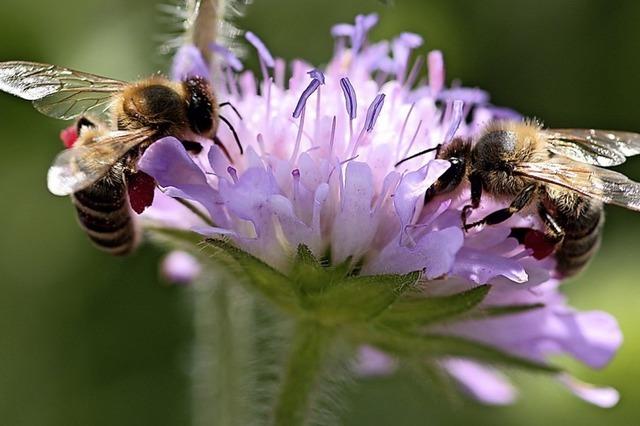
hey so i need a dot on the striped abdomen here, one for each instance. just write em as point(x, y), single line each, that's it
point(104, 213)
point(583, 232)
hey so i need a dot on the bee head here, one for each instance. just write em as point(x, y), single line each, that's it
point(200, 106)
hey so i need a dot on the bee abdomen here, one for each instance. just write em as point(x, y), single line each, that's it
point(580, 244)
point(103, 213)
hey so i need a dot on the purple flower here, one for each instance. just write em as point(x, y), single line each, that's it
point(326, 180)
point(180, 267)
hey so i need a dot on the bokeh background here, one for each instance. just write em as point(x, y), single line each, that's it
point(86, 339)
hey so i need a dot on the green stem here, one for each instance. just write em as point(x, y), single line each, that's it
point(309, 346)
point(222, 354)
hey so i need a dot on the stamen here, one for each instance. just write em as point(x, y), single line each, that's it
point(351, 102)
point(279, 72)
point(228, 56)
point(233, 173)
point(260, 140)
point(295, 173)
point(296, 149)
point(404, 127)
point(333, 136)
point(364, 23)
point(415, 136)
point(266, 60)
point(402, 47)
point(455, 121)
point(316, 75)
point(415, 71)
point(317, 80)
point(342, 30)
point(373, 112)
point(436, 71)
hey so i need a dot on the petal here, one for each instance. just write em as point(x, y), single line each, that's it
point(188, 62)
point(354, 227)
point(412, 188)
point(167, 161)
point(605, 397)
point(483, 383)
point(372, 362)
point(434, 253)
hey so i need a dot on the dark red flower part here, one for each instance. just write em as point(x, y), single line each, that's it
point(534, 240)
point(141, 188)
point(69, 136)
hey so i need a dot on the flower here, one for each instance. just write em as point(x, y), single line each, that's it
point(319, 172)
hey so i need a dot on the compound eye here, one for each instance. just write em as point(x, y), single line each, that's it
point(453, 176)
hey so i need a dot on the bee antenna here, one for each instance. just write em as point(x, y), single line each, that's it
point(229, 104)
point(233, 130)
point(426, 151)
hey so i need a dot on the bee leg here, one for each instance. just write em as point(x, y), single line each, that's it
point(499, 216)
point(476, 195)
point(554, 232)
point(192, 147)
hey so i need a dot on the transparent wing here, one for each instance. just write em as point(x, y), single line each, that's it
point(77, 168)
point(602, 148)
point(605, 185)
point(55, 91)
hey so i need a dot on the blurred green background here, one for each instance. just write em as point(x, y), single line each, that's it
point(86, 339)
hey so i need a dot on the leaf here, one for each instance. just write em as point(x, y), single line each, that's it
point(176, 238)
point(420, 311)
point(307, 272)
point(274, 285)
point(357, 299)
point(433, 345)
point(495, 311)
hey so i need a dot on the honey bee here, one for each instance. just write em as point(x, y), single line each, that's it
point(557, 173)
point(94, 171)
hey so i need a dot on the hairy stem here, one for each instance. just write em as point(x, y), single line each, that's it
point(222, 354)
point(306, 360)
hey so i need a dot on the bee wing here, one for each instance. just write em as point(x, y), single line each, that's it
point(77, 168)
point(602, 148)
point(605, 185)
point(55, 91)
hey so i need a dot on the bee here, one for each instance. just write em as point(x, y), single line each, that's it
point(94, 171)
point(557, 173)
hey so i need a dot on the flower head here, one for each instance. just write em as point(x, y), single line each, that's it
point(319, 172)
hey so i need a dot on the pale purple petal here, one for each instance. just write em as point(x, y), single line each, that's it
point(412, 188)
point(168, 163)
point(483, 383)
point(188, 62)
point(605, 397)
